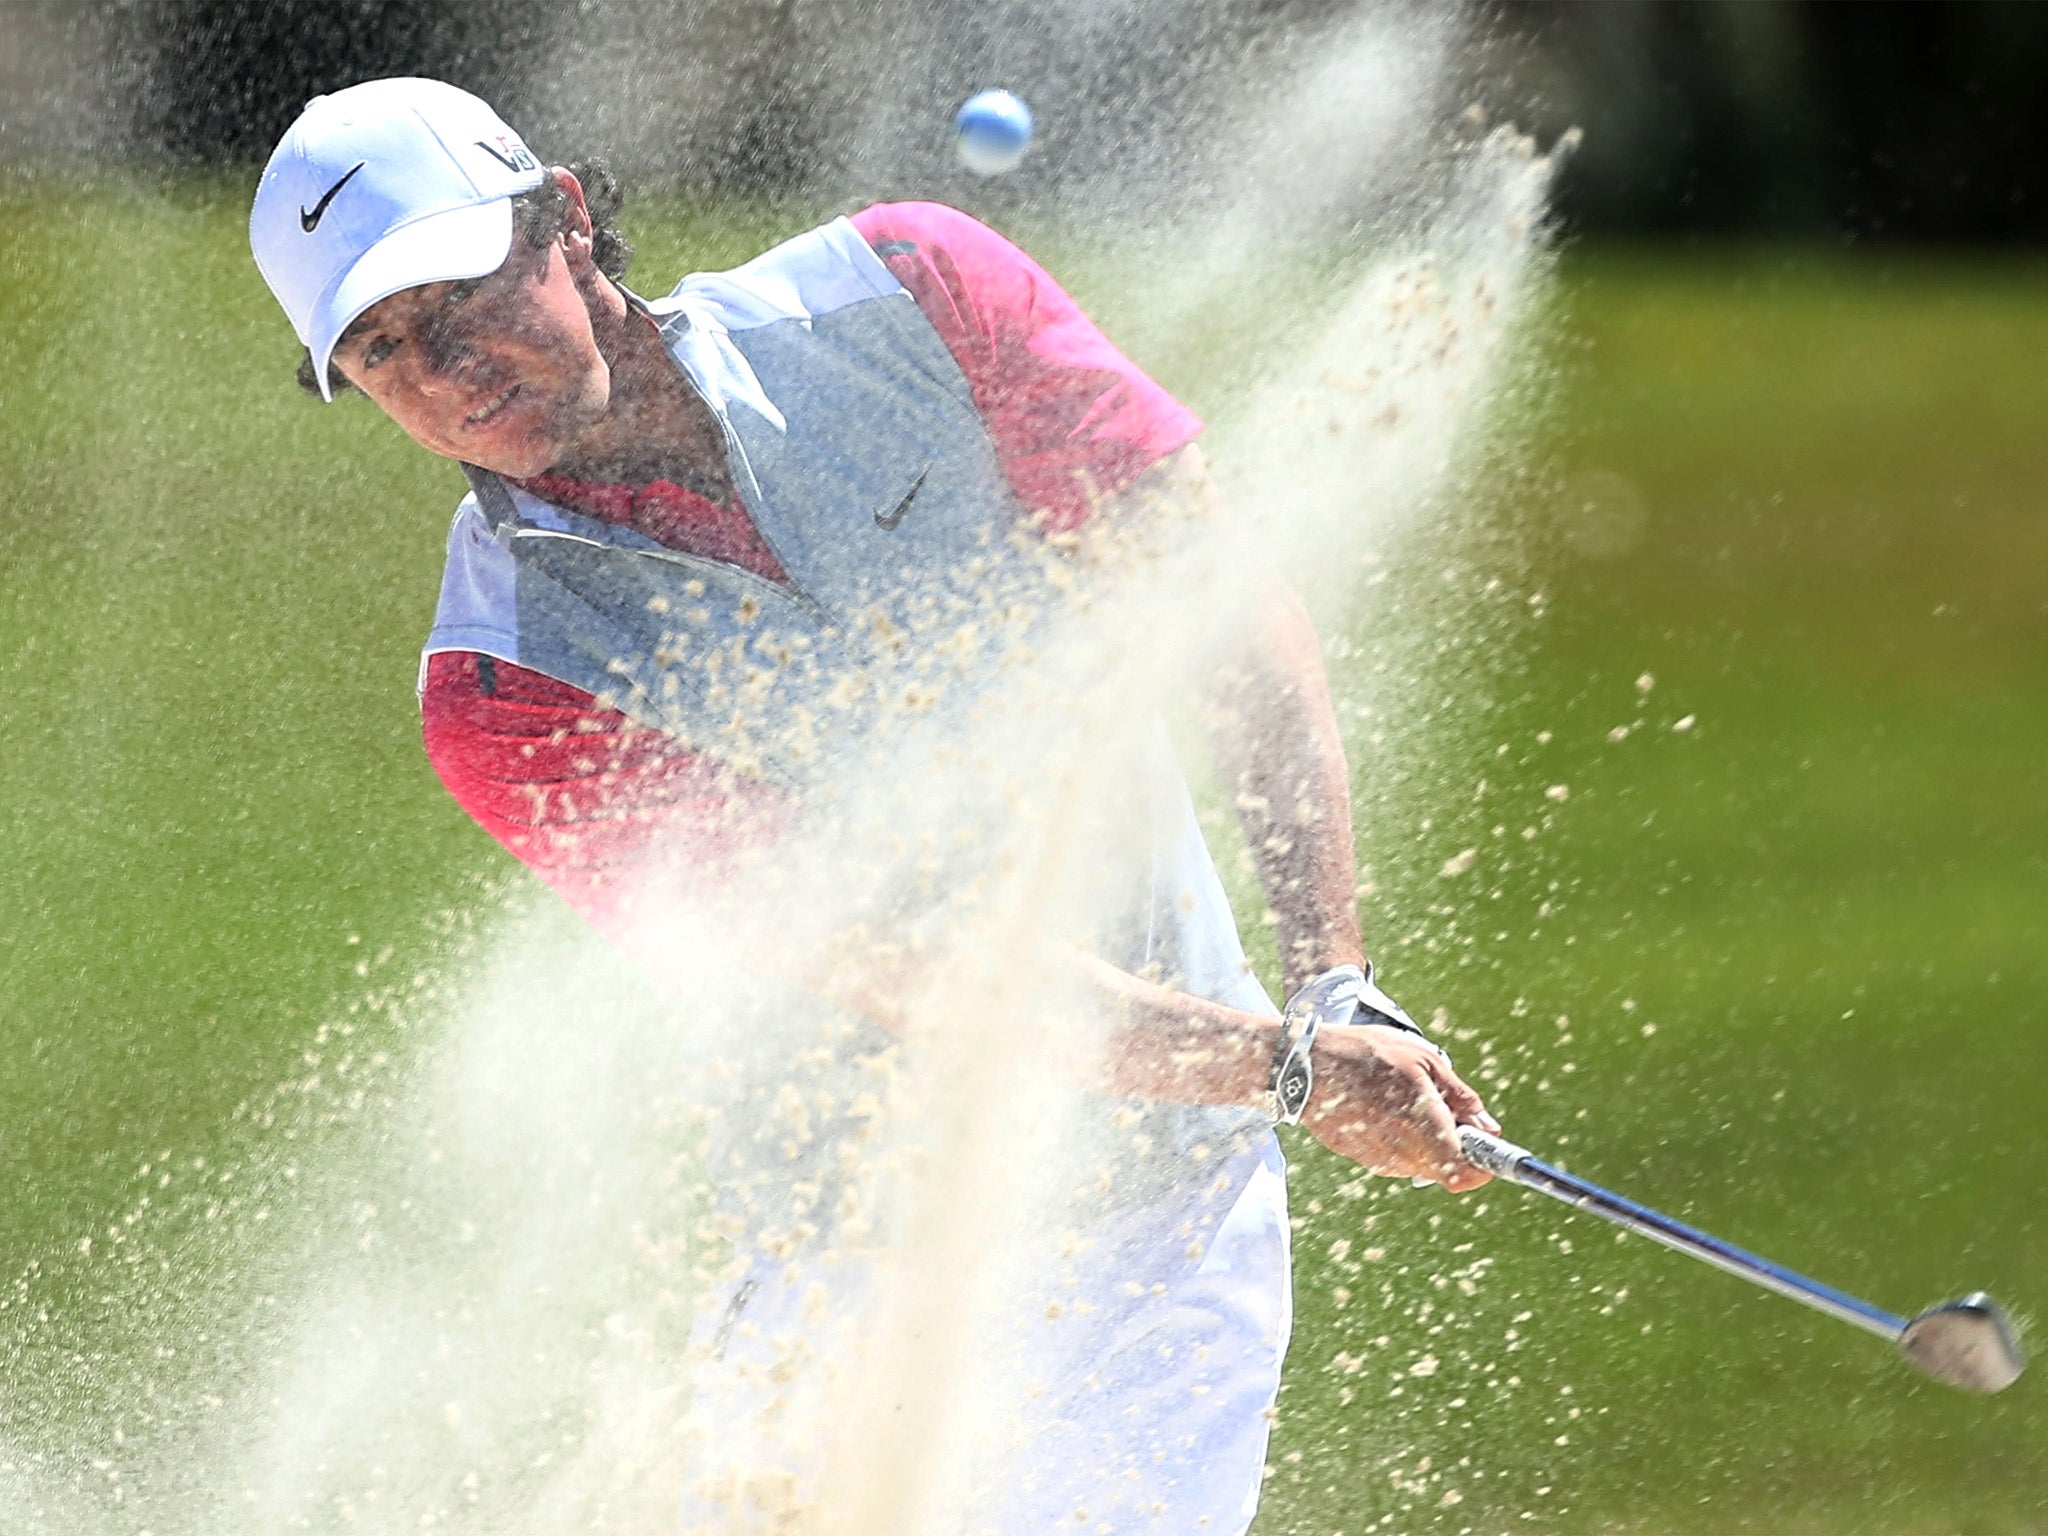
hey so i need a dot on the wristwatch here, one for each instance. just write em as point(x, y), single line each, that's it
point(1344, 994)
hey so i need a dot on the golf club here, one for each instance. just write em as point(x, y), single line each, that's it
point(1966, 1343)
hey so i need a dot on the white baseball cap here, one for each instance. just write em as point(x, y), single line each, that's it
point(381, 187)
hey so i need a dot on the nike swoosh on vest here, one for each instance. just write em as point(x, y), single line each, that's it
point(888, 523)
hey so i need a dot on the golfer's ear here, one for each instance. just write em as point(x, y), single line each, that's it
point(576, 228)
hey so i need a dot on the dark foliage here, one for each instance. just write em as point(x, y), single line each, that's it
point(1776, 117)
point(1865, 119)
point(223, 79)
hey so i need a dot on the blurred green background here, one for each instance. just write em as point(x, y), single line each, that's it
point(1780, 971)
point(1790, 985)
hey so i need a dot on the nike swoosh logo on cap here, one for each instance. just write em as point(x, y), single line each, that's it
point(311, 221)
point(888, 523)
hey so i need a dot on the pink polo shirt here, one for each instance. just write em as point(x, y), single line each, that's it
point(585, 797)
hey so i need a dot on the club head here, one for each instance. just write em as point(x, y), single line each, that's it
point(1966, 1343)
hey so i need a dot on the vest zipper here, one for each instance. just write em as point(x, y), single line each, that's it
point(733, 455)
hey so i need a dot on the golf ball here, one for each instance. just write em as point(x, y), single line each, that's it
point(993, 129)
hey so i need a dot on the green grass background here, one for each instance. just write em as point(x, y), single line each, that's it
point(1800, 949)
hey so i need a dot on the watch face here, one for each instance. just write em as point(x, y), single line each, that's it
point(1290, 1090)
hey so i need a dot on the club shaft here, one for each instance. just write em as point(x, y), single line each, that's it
point(1523, 1167)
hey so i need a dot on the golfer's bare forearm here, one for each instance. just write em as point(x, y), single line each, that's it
point(1174, 1046)
point(1160, 1043)
point(1276, 741)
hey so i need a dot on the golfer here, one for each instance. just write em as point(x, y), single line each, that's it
point(893, 409)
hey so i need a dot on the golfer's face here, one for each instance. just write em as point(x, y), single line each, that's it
point(500, 371)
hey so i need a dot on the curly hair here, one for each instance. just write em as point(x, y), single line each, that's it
point(538, 216)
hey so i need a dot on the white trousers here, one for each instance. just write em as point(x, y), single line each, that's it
point(1141, 1404)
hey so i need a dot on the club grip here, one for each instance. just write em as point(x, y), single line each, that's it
point(1497, 1157)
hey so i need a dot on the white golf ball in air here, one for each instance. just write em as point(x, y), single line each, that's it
point(993, 129)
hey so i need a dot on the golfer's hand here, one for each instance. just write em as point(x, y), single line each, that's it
point(1389, 1101)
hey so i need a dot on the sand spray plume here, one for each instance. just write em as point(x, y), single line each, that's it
point(1002, 1042)
point(970, 1150)
point(1333, 148)
point(1374, 414)
point(988, 1095)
